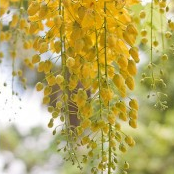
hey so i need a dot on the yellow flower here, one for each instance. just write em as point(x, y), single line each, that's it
point(118, 80)
point(33, 8)
point(134, 53)
point(132, 67)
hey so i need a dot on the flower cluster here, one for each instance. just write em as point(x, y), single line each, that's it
point(15, 30)
point(94, 41)
point(155, 38)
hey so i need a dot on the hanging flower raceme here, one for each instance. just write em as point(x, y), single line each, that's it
point(14, 27)
point(95, 41)
point(155, 39)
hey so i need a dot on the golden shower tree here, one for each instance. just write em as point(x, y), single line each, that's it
point(94, 42)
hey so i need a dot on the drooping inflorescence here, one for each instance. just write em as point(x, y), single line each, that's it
point(94, 44)
point(156, 31)
point(15, 35)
